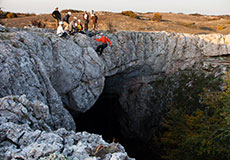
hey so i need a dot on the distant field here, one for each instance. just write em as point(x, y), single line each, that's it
point(170, 22)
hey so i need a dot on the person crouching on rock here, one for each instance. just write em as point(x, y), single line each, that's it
point(79, 27)
point(60, 30)
point(104, 44)
point(72, 29)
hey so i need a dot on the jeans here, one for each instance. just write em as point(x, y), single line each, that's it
point(86, 25)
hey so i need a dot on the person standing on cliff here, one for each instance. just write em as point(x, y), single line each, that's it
point(57, 16)
point(86, 19)
point(104, 44)
point(94, 19)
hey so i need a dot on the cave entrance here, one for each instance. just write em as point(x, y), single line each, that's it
point(104, 119)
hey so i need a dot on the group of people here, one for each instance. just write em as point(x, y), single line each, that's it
point(75, 26)
point(64, 27)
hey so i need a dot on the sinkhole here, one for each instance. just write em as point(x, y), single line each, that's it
point(104, 118)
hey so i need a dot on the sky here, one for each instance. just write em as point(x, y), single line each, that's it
point(209, 7)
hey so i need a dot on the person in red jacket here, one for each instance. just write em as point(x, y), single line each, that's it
point(104, 44)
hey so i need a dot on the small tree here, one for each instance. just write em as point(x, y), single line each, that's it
point(203, 134)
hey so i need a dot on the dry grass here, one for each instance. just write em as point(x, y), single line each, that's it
point(171, 22)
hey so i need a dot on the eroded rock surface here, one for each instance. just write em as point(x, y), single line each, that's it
point(25, 134)
point(55, 70)
point(68, 72)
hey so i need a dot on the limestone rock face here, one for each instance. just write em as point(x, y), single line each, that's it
point(68, 73)
point(25, 134)
point(51, 70)
point(54, 70)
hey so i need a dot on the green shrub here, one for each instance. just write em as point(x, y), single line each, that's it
point(11, 15)
point(157, 17)
point(129, 13)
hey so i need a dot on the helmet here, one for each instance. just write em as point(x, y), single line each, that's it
point(75, 18)
point(79, 20)
point(61, 22)
point(69, 13)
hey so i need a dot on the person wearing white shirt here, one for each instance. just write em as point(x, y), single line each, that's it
point(60, 30)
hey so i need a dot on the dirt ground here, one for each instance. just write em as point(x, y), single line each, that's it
point(171, 22)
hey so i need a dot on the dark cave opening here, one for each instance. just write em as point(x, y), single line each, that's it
point(103, 119)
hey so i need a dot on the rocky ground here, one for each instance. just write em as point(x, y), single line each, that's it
point(60, 75)
point(25, 134)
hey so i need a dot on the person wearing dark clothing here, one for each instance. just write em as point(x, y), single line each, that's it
point(66, 21)
point(104, 44)
point(66, 17)
point(57, 16)
point(86, 19)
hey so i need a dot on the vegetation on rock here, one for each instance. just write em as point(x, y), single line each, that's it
point(199, 129)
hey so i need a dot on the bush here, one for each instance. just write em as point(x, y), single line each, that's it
point(157, 17)
point(38, 23)
point(220, 27)
point(11, 15)
point(129, 13)
point(72, 11)
point(196, 14)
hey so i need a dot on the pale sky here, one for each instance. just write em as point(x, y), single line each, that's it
point(210, 7)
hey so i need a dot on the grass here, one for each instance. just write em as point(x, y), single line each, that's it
point(101, 150)
point(189, 25)
point(171, 22)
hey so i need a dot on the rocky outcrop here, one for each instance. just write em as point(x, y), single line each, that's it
point(68, 72)
point(25, 134)
point(41, 65)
